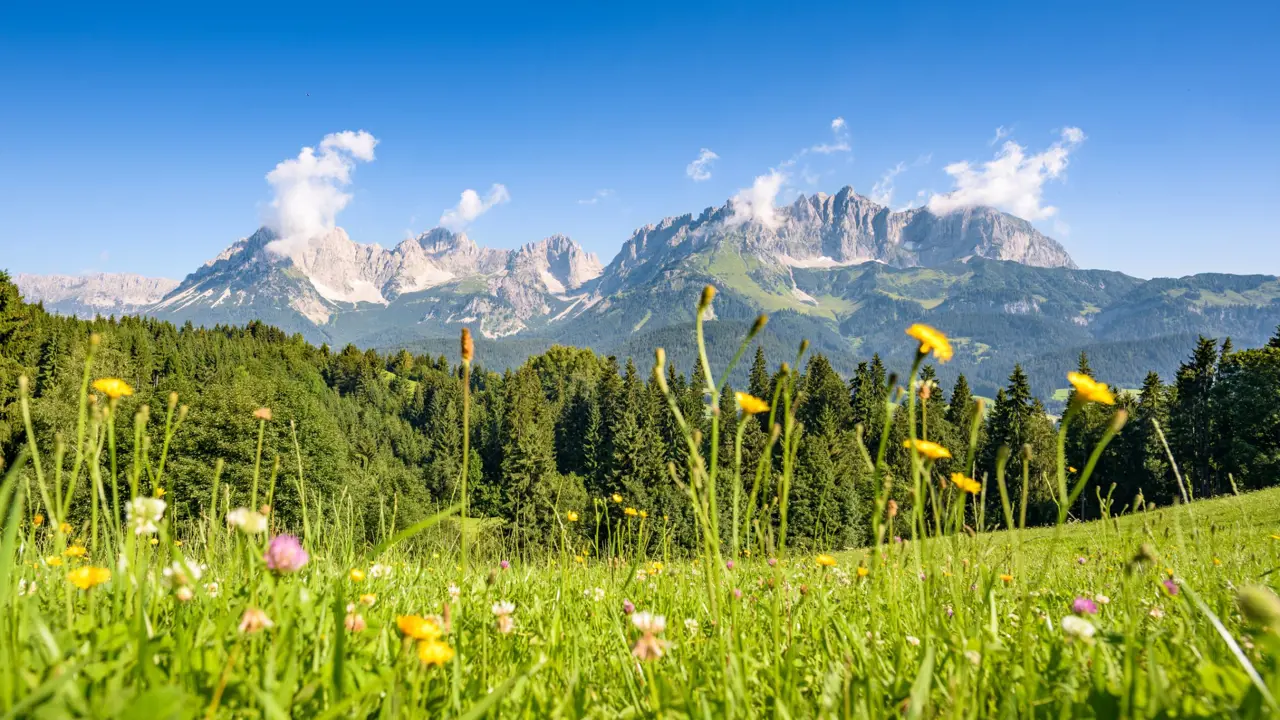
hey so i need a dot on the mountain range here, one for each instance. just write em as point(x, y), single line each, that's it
point(840, 270)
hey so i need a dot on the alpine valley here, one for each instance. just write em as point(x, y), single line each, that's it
point(839, 270)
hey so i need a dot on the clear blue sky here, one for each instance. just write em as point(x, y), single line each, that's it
point(140, 140)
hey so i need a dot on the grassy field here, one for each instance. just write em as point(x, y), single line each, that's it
point(124, 613)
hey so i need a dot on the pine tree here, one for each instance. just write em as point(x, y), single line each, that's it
point(1191, 418)
point(960, 406)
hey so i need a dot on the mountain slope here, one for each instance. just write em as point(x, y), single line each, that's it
point(94, 294)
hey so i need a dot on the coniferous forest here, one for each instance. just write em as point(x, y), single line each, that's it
point(570, 428)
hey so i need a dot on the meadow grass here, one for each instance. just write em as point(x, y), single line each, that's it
point(1153, 613)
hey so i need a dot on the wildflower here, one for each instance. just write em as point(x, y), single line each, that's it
point(649, 646)
point(418, 628)
point(354, 622)
point(973, 656)
point(145, 515)
point(114, 388)
point(26, 588)
point(913, 641)
point(254, 620)
point(617, 498)
point(211, 589)
point(262, 413)
point(1007, 578)
point(467, 346)
point(53, 561)
point(182, 573)
point(154, 541)
point(573, 516)
point(596, 594)
point(378, 571)
point(931, 341)
point(863, 571)
point(927, 448)
point(643, 514)
point(772, 562)
point(368, 599)
point(251, 522)
point(356, 575)
point(1216, 561)
point(454, 592)
point(1084, 606)
point(285, 554)
point(965, 483)
point(1081, 560)
point(38, 520)
point(88, 576)
point(64, 528)
point(628, 607)
point(892, 507)
point(826, 560)
point(434, 652)
point(1102, 599)
point(77, 551)
point(1170, 587)
point(183, 594)
point(750, 404)
point(737, 594)
point(1078, 627)
point(630, 512)
point(504, 564)
point(1156, 613)
point(1259, 605)
point(579, 559)
point(1071, 469)
point(655, 568)
point(728, 564)
point(503, 607)
point(1089, 390)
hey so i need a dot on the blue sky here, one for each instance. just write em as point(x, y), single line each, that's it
point(140, 140)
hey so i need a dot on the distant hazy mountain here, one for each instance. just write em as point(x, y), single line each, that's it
point(94, 294)
point(839, 270)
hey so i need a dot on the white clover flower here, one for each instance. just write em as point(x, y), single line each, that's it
point(182, 572)
point(183, 594)
point(503, 608)
point(378, 570)
point(145, 514)
point(647, 622)
point(596, 594)
point(212, 589)
point(691, 626)
point(454, 592)
point(913, 641)
point(1078, 627)
point(1101, 599)
point(249, 521)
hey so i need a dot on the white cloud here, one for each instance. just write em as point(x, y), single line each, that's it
point(757, 202)
point(471, 206)
point(700, 168)
point(1001, 133)
point(597, 197)
point(308, 188)
point(1013, 181)
point(882, 191)
point(840, 139)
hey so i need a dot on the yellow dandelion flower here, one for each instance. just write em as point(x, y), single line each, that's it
point(161, 492)
point(38, 520)
point(931, 341)
point(356, 575)
point(1216, 561)
point(863, 571)
point(1007, 578)
point(177, 543)
point(631, 512)
point(53, 561)
point(368, 599)
point(114, 388)
point(155, 541)
point(87, 576)
point(64, 528)
point(643, 514)
point(262, 413)
point(826, 560)
point(418, 627)
point(1071, 469)
point(434, 652)
point(76, 551)
point(750, 404)
point(579, 559)
point(928, 448)
point(572, 516)
point(1090, 390)
point(616, 498)
point(966, 483)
